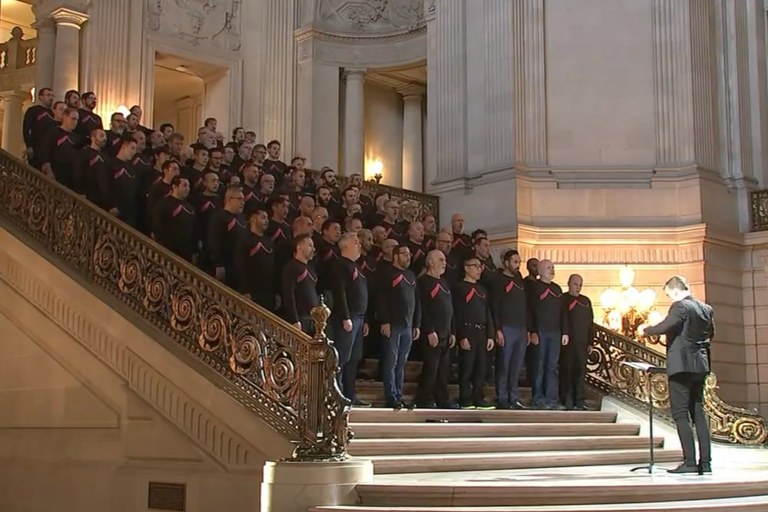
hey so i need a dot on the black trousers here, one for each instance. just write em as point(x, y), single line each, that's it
point(472, 364)
point(435, 371)
point(573, 370)
point(686, 398)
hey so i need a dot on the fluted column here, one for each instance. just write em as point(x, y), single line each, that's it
point(12, 141)
point(530, 104)
point(354, 121)
point(278, 88)
point(446, 90)
point(673, 83)
point(107, 74)
point(44, 53)
point(413, 171)
point(66, 65)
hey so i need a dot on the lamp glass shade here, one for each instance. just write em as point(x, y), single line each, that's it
point(626, 276)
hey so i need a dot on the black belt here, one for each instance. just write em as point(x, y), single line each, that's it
point(475, 326)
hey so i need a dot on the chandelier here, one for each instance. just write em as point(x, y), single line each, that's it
point(625, 309)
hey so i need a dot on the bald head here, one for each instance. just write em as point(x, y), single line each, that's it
point(546, 270)
point(436, 263)
point(574, 284)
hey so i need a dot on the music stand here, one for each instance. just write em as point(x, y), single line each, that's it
point(649, 370)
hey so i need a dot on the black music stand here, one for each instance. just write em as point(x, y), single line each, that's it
point(650, 371)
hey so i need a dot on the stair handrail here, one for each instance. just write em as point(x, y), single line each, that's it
point(283, 376)
point(605, 371)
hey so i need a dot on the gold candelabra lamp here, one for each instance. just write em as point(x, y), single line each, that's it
point(625, 309)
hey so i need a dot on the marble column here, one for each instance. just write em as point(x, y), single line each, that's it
point(446, 89)
point(44, 53)
point(278, 88)
point(107, 68)
point(66, 65)
point(530, 100)
point(413, 171)
point(12, 140)
point(354, 122)
point(673, 83)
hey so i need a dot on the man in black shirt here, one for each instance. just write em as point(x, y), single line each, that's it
point(279, 229)
point(159, 190)
point(174, 220)
point(327, 255)
point(119, 189)
point(225, 227)
point(273, 165)
point(392, 227)
point(206, 203)
point(38, 120)
point(89, 120)
point(59, 150)
point(548, 322)
point(508, 303)
point(255, 262)
point(475, 332)
point(115, 133)
point(532, 350)
point(299, 286)
point(438, 329)
point(92, 164)
point(462, 245)
point(348, 325)
point(194, 173)
point(573, 361)
point(417, 246)
point(399, 313)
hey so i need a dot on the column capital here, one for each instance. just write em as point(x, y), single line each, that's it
point(355, 73)
point(64, 16)
point(8, 96)
point(412, 91)
point(430, 10)
point(44, 25)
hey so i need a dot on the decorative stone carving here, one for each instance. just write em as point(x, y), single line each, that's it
point(371, 16)
point(214, 23)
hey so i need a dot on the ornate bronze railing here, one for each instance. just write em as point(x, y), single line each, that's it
point(278, 373)
point(759, 207)
point(420, 204)
point(17, 53)
point(606, 372)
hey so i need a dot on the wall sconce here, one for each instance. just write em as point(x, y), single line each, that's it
point(625, 309)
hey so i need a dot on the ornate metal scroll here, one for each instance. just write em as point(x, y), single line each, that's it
point(759, 208)
point(419, 204)
point(605, 372)
point(265, 364)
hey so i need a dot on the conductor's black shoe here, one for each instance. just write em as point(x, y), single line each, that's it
point(705, 469)
point(359, 402)
point(683, 469)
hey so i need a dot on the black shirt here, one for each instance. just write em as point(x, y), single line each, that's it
point(580, 318)
point(92, 164)
point(223, 232)
point(61, 151)
point(299, 295)
point(87, 122)
point(471, 306)
point(326, 256)
point(38, 121)
point(436, 306)
point(396, 297)
point(205, 207)
point(255, 265)
point(418, 256)
point(350, 289)
point(547, 312)
point(508, 301)
point(174, 226)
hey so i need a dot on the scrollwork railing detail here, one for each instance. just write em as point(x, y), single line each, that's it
point(605, 372)
point(281, 375)
point(759, 207)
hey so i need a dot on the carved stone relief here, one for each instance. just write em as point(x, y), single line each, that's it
point(371, 16)
point(212, 23)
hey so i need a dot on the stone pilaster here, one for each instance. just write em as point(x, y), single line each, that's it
point(44, 53)
point(354, 121)
point(673, 83)
point(66, 65)
point(12, 140)
point(279, 73)
point(107, 69)
point(529, 83)
point(446, 90)
point(413, 157)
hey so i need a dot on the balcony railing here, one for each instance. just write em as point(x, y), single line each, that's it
point(606, 372)
point(17, 52)
point(278, 373)
point(759, 207)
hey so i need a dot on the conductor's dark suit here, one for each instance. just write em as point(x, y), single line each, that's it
point(689, 327)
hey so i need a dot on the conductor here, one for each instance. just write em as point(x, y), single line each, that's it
point(689, 328)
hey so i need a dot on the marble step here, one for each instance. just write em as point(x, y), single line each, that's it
point(624, 488)
point(369, 368)
point(375, 389)
point(361, 415)
point(389, 464)
point(748, 504)
point(466, 445)
point(490, 430)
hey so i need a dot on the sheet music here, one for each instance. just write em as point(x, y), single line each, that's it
point(638, 365)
